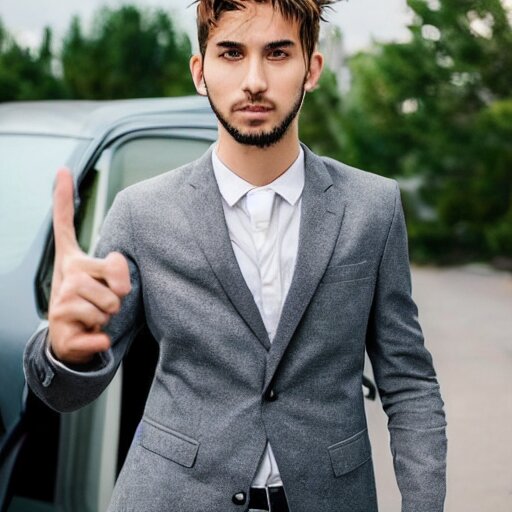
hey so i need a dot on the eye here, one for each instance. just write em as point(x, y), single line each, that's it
point(232, 54)
point(277, 54)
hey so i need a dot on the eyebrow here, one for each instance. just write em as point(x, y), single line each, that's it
point(284, 43)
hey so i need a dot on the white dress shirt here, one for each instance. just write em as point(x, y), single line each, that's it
point(266, 251)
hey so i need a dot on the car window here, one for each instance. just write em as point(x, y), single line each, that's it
point(143, 158)
point(27, 169)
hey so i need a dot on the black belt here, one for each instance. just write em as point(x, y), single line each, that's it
point(275, 501)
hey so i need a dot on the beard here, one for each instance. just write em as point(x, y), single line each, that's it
point(263, 139)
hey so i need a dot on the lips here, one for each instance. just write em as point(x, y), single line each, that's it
point(255, 108)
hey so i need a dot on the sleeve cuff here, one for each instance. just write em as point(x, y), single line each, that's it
point(98, 362)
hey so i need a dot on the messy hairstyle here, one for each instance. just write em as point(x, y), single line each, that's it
point(307, 13)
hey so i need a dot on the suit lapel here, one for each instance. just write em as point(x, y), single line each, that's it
point(321, 217)
point(203, 204)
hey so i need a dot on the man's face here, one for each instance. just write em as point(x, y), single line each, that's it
point(254, 73)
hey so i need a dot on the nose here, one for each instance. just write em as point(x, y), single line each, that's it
point(255, 80)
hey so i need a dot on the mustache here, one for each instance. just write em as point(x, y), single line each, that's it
point(257, 102)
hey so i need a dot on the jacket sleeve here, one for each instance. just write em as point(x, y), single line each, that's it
point(64, 387)
point(406, 379)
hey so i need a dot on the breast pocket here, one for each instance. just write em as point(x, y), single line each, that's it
point(168, 443)
point(352, 272)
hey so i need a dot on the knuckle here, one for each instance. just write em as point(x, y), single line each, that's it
point(53, 314)
point(118, 257)
point(92, 316)
point(71, 281)
point(117, 263)
point(70, 263)
point(114, 306)
point(67, 292)
point(103, 319)
point(58, 310)
point(124, 288)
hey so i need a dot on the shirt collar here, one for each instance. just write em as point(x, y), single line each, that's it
point(232, 188)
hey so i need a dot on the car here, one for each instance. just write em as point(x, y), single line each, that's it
point(69, 462)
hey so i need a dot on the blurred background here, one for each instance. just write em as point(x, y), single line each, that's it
point(418, 91)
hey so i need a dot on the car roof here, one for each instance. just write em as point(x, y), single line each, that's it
point(83, 118)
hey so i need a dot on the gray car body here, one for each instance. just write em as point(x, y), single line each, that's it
point(97, 124)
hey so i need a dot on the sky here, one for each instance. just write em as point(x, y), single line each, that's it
point(360, 20)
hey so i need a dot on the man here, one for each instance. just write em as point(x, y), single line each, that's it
point(264, 272)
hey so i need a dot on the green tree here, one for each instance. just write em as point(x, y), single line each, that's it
point(321, 118)
point(129, 53)
point(438, 107)
point(27, 75)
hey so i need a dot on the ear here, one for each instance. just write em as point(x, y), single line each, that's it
point(316, 65)
point(196, 70)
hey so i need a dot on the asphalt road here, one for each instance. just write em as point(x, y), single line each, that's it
point(466, 315)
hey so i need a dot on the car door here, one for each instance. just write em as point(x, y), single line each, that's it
point(70, 462)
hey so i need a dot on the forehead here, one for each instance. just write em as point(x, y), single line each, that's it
point(256, 23)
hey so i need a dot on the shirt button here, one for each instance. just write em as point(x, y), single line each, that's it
point(271, 395)
point(239, 498)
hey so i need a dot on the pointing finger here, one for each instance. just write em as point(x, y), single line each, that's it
point(63, 213)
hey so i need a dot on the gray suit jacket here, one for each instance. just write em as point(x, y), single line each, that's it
point(208, 415)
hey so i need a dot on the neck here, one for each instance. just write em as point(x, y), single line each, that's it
point(259, 166)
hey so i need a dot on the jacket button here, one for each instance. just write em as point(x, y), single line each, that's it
point(239, 498)
point(271, 395)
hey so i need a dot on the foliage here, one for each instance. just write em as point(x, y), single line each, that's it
point(27, 76)
point(438, 107)
point(128, 54)
point(319, 131)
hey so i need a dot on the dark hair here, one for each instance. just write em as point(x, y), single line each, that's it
point(307, 13)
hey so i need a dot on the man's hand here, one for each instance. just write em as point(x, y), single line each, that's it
point(85, 291)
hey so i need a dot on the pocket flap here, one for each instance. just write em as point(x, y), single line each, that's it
point(169, 443)
point(351, 453)
point(352, 272)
